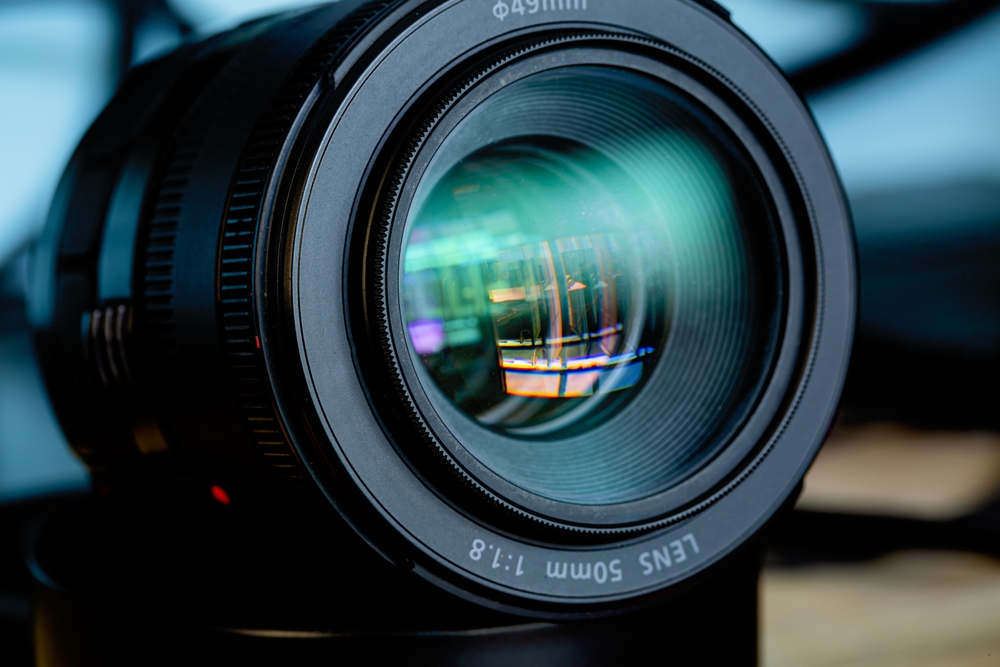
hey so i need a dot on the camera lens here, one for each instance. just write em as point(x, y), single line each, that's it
point(577, 255)
point(548, 301)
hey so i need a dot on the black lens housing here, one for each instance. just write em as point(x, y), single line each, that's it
point(215, 295)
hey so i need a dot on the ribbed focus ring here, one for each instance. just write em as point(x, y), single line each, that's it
point(237, 323)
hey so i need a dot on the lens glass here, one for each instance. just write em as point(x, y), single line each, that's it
point(583, 300)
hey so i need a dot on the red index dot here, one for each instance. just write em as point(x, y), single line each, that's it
point(257, 340)
point(220, 494)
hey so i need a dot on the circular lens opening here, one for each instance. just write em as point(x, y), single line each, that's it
point(591, 284)
point(533, 304)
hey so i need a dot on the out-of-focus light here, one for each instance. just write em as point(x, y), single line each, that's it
point(798, 32)
point(220, 495)
point(930, 118)
point(34, 456)
point(55, 75)
point(211, 16)
point(154, 37)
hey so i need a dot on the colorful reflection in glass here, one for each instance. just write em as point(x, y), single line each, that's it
point(530, 291)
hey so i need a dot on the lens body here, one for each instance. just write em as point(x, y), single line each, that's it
point(550, 300)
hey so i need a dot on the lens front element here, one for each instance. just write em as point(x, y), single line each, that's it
point(590, 285)
point(533, 294)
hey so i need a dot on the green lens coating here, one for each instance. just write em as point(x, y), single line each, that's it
point(526, 289)
point(578, 289)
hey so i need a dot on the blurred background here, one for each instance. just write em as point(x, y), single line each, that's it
point(889, 558)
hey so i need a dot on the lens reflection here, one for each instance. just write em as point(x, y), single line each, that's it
point(533, 292)
point(587, 311)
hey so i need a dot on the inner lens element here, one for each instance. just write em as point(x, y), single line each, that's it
point(583, 302)
point(532, 299)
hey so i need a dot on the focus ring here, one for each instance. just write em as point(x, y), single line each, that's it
point(237, 245)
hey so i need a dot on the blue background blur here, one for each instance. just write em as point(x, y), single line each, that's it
point(927, 120)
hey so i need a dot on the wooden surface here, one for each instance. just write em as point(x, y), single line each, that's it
point(914, 609)
point(905, 610)
point(892, 470)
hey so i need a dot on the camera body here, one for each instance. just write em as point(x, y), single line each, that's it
point(224, 292)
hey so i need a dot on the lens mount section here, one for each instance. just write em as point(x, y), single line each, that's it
point(549, 302)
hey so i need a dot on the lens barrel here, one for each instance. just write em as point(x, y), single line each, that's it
point(548, 300)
